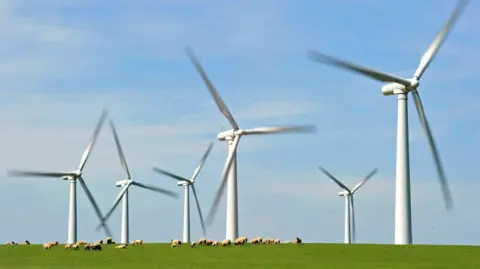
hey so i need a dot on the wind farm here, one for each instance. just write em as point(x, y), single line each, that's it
point(261, 204)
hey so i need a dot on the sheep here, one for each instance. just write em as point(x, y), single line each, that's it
point(176, 243)
point(26, 242)
point(268, 241)
point(137, 242)
point(87, 247)
point(214, 243)
point(209, 242)
point(122, 246)
point(193, 244)
point(276, 241)
point(96, 246)
point(257, 240)
point(202, 241)
point(68, 246)
point(47, 246)
point(298, 240)
point(75, 246)
point(53, 243)
point(241, 240)
point(226, 242)
point(108, 240)
point(100, 242)
point(81, 243)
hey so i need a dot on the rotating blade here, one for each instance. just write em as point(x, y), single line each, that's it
point(166, 173)
point(440, 38)
point(22, 173)
point(367, 178)
point(115, 204)
point(156, 189)
point(95, 206)
point(199, 211)
point(281, 130)
point(218, 100)
point(433, 148)
point(334, 179)
point(93, 139)
point(369, 72)
point(202, 161)
point(123, 161)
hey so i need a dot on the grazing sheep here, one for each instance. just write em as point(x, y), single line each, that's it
point(87, 247)
point(96, 246)
point(226, 242)
point(276, 241)
point(193, 244)
point(298, 240)
point(214, 243)
point(53, 243)
point(209, 242)
point(108, 240)
point(47, 246)
point(122, 246)
point(176, 242)
point(26, 242)
point(241, 240)
point(75, 247)
point(81, 243)
point(137, 242)
point(68, 246)
point(268, 241)
point(100, 242)
point(257, 240)
point(202, 241)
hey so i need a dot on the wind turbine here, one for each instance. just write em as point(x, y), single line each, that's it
point(186, 183)
point(401, 87)
point(126, 183)
point(233, 138)
point(349, 204)
point(73, 176)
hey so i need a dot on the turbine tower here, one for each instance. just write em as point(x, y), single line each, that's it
point(73, 176)
point(349, 204)
point(126, 183)
point(186, 184)
point(233, 137)
point(401, 87)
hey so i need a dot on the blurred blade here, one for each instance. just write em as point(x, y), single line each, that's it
point(334, 179)
point(95, 205)
point(199, 211)
point(115, 204)
point(221, 105)
point(436, 157)
point(163, 172)
point(22, 173)
point(223, 181)
point(352, 211)
point(123, 161)
point(372, 73)
point(440, 38)
point(156, 189)
point(364, 180)
point(93, 139)
point(202, 161)
point(281, 129)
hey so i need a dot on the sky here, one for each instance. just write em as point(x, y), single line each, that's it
point(62, 62)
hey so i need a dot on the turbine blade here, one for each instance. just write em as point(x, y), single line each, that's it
point(93, 139)
point(156, 189)
point(199, 211)
point(367, 178)
point(352, 205)
point(115, 204)
point(22, 173)
point(334, 179)
point(95, 205)
point(163, 172)
point(440, 38)
point(369, 72)
point(281, 130)
point(223, 181)
point(433, 148)
point(123, 161)
point(202, 161)
point(221, 105)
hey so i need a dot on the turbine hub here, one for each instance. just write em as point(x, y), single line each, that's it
point(230, 134)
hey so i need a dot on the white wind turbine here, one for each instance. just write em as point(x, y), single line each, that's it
point(233, 138)
point(349, 204)
point(73, 176)
point(186, 183)
point(401, 87)
point(126, 183)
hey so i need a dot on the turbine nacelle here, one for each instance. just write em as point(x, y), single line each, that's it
point(122, 183)
point(183, 183)
point(343, 193)
point(227, 135)
point(397, 88)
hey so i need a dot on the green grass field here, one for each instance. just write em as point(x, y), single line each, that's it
point(249, 256)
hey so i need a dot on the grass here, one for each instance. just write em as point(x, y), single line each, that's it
point(249, 256)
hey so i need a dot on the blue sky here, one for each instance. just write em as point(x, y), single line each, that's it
point(63, 62)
